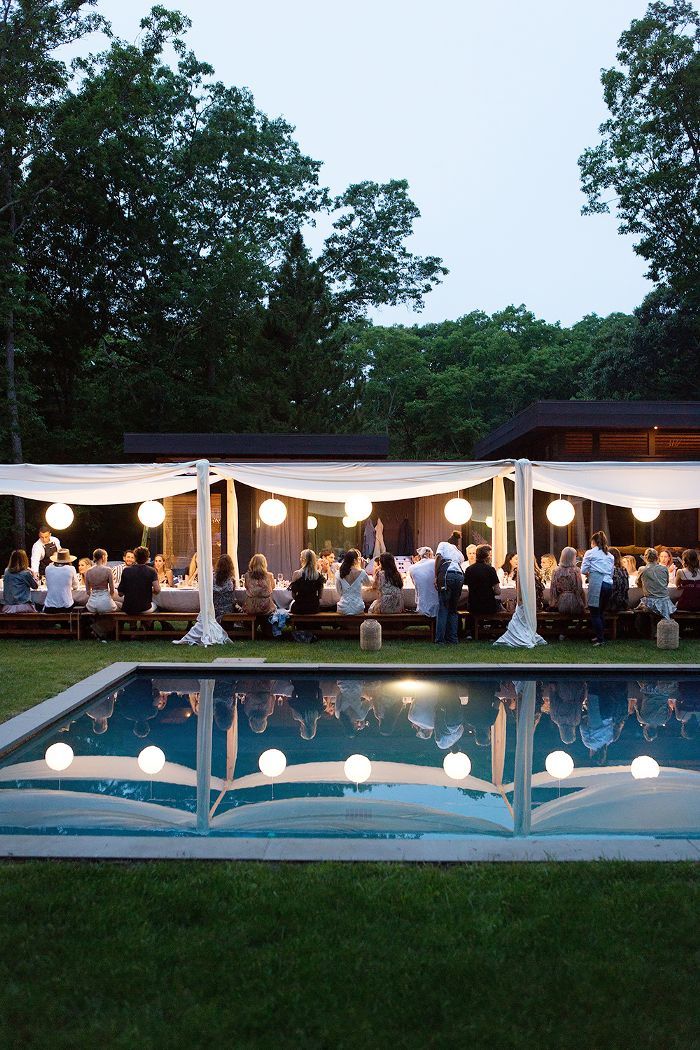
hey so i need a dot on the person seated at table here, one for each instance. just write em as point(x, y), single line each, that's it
point(470, 553)
point(619, 596)
point(99, 584)
point(42, 549)
point(388, 582)
point(349, 581)
point(224, 587)
point(653, 579)
point(506, 573)
point(482, 580)
point(192, 576)
point(422, 573)
point(139, 584)
point(598, 564)
point(128, 559)
point(539, 585)
point(688, 580)
point(17, 584)
point(61, 582)
point(259, 585)
point(83, 565)
point(548, 564)
point(163, 571)
point(629, 562)
point(566, 586)
point(307, 584)
point(666, 559)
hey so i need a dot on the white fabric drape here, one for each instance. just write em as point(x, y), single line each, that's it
point(232, 525)
point(668, 486)
point(522, 629)
point(96, 484)
point(281, 544)
point(499, 515)
point(334, 482)
point(206, 631)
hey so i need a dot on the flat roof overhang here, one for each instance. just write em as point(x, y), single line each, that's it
point(258, 446)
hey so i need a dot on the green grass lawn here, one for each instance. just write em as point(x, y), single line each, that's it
point(33, 670)
point(184, 954)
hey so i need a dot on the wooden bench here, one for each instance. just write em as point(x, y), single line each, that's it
point(394, 625)
point(686, 619)
point(549, 624)
point(164, 624)
point(42, 624)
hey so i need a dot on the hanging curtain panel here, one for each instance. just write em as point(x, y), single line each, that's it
point(281, 544)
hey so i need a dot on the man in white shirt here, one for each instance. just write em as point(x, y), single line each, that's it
point(61, 581)
point(42, 550)
point(449, 580)
point(423, 575)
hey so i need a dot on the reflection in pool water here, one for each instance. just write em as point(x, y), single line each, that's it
point(360, 755)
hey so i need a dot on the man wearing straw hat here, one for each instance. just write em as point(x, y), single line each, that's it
point(61, 581)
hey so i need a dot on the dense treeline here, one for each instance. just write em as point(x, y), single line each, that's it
point(154, 272)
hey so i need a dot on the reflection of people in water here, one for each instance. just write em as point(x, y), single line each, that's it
point(387, 709)
point(100, 713)
point(137, 703)
point(259, 706)
point(224, 703)
point(352, 705)
point(604, 715)
point(481, 710)
point(686, 705)
point(306, 705)
point(449, 724)
point(566, 699)
point(421, 715)
point(652, 706)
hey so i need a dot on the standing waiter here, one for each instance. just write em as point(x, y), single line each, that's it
point(42, 550)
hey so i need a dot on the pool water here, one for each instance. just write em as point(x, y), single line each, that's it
point(189, 756)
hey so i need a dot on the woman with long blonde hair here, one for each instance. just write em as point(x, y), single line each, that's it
point(259, 585)
point(307, 584)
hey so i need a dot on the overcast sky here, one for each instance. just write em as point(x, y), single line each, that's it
point(483, 107)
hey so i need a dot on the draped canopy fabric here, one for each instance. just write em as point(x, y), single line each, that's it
point(334, 482)
point(668, 486)
point(96, 484)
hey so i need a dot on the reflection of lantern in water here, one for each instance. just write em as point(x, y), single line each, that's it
point(272, 763)
point(644, 767)
point(151, 760)
point(59, 756)
point(358, 768)
point(559, 764)
point(457, 765)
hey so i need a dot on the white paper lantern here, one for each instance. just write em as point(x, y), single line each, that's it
point(458, 511)
point(59, 516)
point(311, 523)
point(151, 514)
point(358, 508)
point(646, 513)
point(457, 765)
point(561, 512)
point(559, 764)
point(358, 768)
point(151, 760)
point(489, 522)
point(59, 756)
point(272, 512)
point(272, 763)
point(349, 523)
point(644, 768)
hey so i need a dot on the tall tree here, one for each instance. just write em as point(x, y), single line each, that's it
point(32, 80)
point(648, 160)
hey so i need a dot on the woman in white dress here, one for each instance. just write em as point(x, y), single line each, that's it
point(349, 581)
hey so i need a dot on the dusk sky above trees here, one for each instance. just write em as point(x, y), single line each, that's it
point(484, 109)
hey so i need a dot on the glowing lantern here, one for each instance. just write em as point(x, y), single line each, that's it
point(358, 508)
point(458, 511)
point(151, 514)
point(457, 765)
point(151, 760)
point(358, 768)
point(272, 763)
point(59, 756)
point(559, 765)
point(646, 514)
point(59, 516)
point(348, 522)
point(561, 512)
point(644, 768)
point(272, 512)
point(311, 523)
point(489, 522)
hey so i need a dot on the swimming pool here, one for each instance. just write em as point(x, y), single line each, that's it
point(365, 753)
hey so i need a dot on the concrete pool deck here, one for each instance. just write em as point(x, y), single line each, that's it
point(472, 848)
